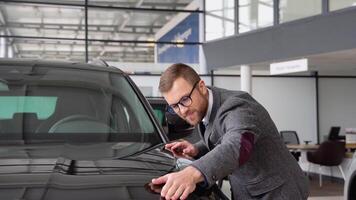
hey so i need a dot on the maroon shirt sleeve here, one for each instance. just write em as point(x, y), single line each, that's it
point(247, 141)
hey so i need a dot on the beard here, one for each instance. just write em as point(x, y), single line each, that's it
point(193, 117)
point(197, 112)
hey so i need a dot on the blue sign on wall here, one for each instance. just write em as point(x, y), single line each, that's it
point(186, 31)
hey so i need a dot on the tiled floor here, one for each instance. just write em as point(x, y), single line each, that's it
point(327, 198)
point(331, 189)
point(334, 187)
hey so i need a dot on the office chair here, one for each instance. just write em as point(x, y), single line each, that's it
point(329, 153)
point(291, 137)
point(334, 134)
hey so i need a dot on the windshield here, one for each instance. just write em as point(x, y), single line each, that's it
point(64, 105)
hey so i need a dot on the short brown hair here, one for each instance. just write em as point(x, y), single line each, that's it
point(174, 72)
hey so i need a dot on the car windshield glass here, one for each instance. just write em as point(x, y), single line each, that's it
point(159, 111)
point(66, 105)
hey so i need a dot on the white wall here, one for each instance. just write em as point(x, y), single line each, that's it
point(290, 101)
point(337, 104)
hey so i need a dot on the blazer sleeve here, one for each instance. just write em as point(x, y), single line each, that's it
point(232, 122)
point(202, 148)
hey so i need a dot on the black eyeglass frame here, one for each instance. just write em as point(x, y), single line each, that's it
point(174, 108)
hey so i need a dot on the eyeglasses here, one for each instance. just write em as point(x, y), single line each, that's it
point(184, 101)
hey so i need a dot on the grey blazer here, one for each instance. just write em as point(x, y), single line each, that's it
point(271, 172)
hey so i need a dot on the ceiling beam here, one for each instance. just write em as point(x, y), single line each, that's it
point(92, 28)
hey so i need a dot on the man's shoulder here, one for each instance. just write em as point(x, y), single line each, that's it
point(225, 93)
point(232, 96)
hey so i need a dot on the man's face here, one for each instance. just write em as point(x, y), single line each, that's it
point(195, 112)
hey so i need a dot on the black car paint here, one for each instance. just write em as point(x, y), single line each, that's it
point(85, 171)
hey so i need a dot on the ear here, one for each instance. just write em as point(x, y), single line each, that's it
point(202, 87)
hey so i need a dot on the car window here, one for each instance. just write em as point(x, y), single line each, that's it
point(41, 104)
point(43, 107)
point(159, 115)
point(159, 111)
point(3, 86)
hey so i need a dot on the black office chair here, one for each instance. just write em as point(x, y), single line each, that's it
point(329, 153)
point(334, 134)
point(291, 137)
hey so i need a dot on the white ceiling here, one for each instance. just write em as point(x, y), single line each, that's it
point(40, 20)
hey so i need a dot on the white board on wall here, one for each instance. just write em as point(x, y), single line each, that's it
point(290, 101)
point(337, 104)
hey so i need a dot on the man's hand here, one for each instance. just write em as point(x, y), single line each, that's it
point(182, 149)
point(180, 184)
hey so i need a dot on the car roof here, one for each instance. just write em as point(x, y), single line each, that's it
point(59, 64)
point(156, 100)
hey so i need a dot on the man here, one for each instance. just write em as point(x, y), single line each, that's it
point(240, 141)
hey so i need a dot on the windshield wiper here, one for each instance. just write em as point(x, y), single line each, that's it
point(143, 151)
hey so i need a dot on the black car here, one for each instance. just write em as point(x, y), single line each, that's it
point(173, 125)
point(78, 131)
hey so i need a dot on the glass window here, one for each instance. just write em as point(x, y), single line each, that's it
point(133, 35)
point(60, 105)
point(76, 2)
point(129, 53)
point(116, 52)
point(219, 19)
point(150, 4)
point(38, 20)
point(110, 24)
point(290, 10)
point(48, 49)
point(37, 29)
point(3, 85)
point(43, 107)
point(159, 115)
point(254, 14)
point(42, 100)
point(340, 4)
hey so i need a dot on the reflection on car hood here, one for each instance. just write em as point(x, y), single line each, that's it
point(79, 172)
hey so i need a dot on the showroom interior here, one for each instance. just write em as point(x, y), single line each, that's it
point(295, 57)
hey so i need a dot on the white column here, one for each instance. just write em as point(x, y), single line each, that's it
point(246, 78)
point(10, 52)
point(202, 61)
point(2, 46)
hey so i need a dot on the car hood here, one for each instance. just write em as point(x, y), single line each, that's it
point(90, 172)
point(93, 171)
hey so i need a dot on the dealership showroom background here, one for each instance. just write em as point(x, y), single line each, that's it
point(296, 57)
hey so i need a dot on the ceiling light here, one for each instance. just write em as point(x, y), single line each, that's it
point(151, 42)
point(180, 43)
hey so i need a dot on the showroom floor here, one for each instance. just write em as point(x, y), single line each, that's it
point(331, 189)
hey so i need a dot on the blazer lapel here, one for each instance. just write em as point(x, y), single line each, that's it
point(214, 110)
point(201, 129)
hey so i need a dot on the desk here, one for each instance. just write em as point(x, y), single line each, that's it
point(350, 145)
point(302, 147)
point(311, 147)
